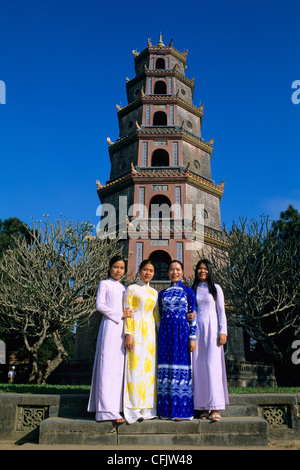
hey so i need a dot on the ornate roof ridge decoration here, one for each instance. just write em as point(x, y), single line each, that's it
point(131, 81)
point(177, 131)
point(162, 48)
point(191, 106)
point(165, 172)
point(113, 182)
point(148, 98)
point(210, 184)
point(210, 142)
point(213, 240)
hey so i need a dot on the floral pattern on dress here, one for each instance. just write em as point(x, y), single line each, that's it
point(174, 380)
point(140, 363)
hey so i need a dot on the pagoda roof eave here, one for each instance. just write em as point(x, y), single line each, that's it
point(214, 241)
point(145, 132)
point(163, 50)
point(174, 175)
point(144, 99)
point(131, 82)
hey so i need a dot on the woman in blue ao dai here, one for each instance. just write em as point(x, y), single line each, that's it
point(176, 341)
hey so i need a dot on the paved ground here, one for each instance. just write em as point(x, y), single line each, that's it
point(273, 445)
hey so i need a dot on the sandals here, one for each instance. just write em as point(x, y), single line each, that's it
point(215, 416)
point(120, 420)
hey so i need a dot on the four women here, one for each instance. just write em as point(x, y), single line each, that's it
point(189, 358)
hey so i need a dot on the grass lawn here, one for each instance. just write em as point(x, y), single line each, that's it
point(85, 389)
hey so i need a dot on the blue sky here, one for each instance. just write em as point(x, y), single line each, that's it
point(65, 63)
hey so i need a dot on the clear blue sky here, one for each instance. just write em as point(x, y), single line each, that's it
point(65, 63)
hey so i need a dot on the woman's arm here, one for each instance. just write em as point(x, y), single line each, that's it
point(220, 307)
point(127, 304)
point(101, 304)
point(192, 309)
point(156, 314)
point(128, 324)
point(222, 320)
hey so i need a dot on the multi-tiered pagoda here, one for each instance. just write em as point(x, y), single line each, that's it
point(160, 182)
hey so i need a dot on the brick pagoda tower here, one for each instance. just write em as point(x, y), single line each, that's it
point(160, 168)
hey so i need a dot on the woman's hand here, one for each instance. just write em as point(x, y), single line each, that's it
point(127, 313)
point(129, 343)
point(192, 346)
point(222, 339)
point(191, 316)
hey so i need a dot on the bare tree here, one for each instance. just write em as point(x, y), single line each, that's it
point(260, 278)
point(49, 286)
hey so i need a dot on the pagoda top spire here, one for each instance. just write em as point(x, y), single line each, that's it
point(160, 42)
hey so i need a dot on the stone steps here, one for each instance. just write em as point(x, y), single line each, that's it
point(239, 410)
point(250, 431)
point(77, 407)
point(229, 431)
point(249, 420)
point(242, 424)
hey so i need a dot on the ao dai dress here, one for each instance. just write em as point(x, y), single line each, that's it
point(174, 378)
point(106, 395)
point(140, 365)
point(210, 381)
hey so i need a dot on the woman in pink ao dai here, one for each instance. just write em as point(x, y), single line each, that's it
point(209, 372)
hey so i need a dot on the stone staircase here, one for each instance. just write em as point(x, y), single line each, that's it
point(250, 420)
point(240, 425)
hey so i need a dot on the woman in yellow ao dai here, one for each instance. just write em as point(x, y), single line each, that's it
point(140, 343)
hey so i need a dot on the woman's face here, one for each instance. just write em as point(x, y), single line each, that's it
point(117, 270)
point(147, 273)
point(202, 272)
point(175, 272)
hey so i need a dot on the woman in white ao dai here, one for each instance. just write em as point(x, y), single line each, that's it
point(209, 372)
point(106, 395)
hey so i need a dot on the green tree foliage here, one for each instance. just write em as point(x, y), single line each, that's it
point(260, 275)
point(288, 226)
point(9, 230)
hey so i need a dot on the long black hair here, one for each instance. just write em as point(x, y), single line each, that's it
point(176, 261)
point(210, 277)
point(146, 261)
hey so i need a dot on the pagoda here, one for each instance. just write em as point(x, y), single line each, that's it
point(160, 199)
